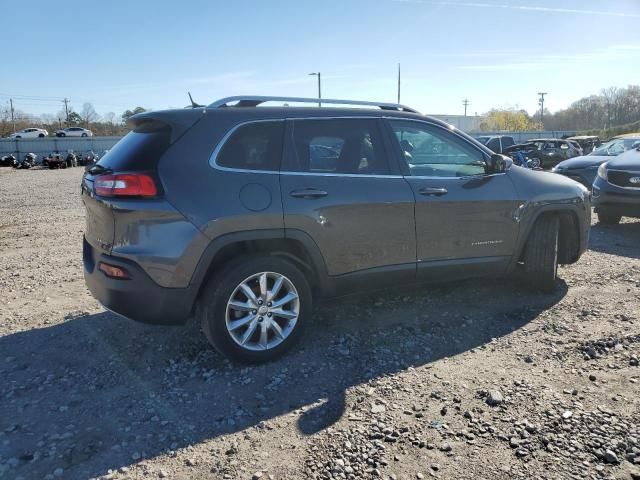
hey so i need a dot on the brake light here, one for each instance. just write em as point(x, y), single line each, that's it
point(126, 184)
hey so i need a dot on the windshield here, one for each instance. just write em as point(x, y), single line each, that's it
point(483, 140)
point(615, 147)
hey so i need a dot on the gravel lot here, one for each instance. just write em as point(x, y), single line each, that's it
point(473, 380)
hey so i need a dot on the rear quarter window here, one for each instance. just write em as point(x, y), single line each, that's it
point(253, 146)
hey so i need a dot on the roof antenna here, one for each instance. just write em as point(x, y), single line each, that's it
point(193, 104)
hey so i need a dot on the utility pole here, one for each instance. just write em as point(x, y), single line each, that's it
point(317, 74)
point(398, 84)
point(541, 103)
point(13, 120)
point(466, 103)
point(66, 110)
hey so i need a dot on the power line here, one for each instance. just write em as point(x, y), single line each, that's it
point(13, 120)
point(466, 103)
point(541, 103)
point(66, 108)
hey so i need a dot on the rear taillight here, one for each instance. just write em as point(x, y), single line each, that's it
point(125, 185)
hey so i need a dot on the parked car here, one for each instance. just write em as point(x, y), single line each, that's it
point(496, 143)
point(616, 189)
point(224, 217)
point(74, 132)
point(587, 142)
point(30, 133)
point(583, 169)
point(549, 151)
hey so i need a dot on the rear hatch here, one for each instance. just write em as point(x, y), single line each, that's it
point(137, 153)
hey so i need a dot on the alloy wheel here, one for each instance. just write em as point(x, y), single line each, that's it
point(262, 311)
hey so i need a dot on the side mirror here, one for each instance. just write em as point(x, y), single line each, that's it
point(499, 163)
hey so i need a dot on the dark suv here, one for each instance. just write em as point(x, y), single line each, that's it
point(241, 214)
point(616, 189)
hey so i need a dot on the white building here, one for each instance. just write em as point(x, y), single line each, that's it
point(466, 124)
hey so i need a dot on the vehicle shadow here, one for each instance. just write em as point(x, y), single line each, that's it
point(621, 239)
point(99, 392)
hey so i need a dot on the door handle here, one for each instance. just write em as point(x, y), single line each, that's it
point(308, 193)
point(437, 191)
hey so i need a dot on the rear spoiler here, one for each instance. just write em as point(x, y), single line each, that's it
point(179, 121)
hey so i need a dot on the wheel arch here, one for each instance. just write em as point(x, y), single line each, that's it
point(569, 233)
point(294, 245)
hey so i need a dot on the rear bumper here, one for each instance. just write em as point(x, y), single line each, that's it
point(139, 297)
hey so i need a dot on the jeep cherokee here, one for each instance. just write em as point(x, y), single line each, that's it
point(241, 214)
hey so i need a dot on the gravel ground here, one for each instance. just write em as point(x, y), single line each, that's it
point(471, 380)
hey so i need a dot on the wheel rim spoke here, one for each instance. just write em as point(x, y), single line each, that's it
point(242, 306)
point(276, 328)
point(278, 312)
point(264, 335)
point(277, 285)
point(284, 300)
point(249, 332)
point(241, 322)
point(249, 293)
point(263, 285)
point(256, 319)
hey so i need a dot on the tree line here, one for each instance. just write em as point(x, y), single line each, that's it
point(611, 112)
point(107, 124)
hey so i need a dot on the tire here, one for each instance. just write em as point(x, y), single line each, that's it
point(608, 218)
point(62, 135)
point(41, 135)
point(84, 135)
point(541, 254)
point(214, 311)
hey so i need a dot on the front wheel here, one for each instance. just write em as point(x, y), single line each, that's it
point(255, 308)
point(541, 254)
point(608, 218)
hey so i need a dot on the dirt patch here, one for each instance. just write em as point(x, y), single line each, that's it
point(467, 380)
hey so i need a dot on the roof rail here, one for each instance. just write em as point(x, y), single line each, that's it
point(254, 101)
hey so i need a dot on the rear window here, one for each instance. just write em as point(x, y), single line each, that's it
point(137, 150)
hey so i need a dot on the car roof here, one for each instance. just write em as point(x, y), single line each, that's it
point(582, 137)
point(546, 140)
point(277, 113)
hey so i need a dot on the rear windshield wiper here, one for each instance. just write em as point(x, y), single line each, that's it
point(98, 170)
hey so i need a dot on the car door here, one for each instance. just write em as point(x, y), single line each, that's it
point(465, 223)
point(338, 187)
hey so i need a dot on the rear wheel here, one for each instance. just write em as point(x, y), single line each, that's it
point(608, 218)
point(255, 308)
point(541, 254)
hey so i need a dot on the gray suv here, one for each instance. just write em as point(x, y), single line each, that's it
point(242, 214)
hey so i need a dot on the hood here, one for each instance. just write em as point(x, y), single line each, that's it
point(629, 160)
point(584, 161)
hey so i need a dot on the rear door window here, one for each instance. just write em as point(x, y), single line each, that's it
point(347, 146)
point(253, 146)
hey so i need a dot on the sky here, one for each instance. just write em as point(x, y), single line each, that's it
point(495, 53)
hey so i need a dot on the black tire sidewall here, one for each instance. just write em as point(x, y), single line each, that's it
point(543, 274)
point(213, 304)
